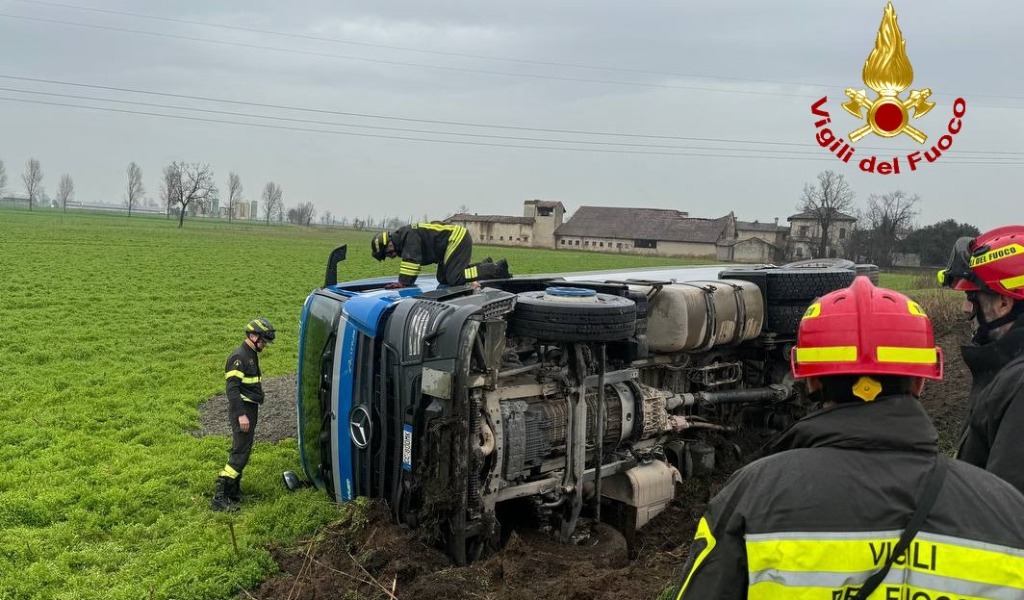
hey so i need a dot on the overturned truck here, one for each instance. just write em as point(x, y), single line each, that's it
point(559, 401)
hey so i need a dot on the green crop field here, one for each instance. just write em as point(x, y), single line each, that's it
point(112, 332)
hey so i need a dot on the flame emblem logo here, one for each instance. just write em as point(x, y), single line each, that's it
point(888, 72)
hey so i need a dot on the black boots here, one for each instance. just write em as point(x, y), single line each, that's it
point(221, 501)
point(235, 490)
point(488, 269)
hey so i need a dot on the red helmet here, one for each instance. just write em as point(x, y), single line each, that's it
point(992, 261)
point(862, 330)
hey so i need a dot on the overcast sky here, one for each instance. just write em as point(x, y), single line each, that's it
point(509, 73)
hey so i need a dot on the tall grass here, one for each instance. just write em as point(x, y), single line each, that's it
point(112, 332)
point(942, 306)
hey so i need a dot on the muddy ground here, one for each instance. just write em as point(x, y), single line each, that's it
point(380, 560)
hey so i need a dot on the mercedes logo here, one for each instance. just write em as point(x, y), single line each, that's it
point(360, 427)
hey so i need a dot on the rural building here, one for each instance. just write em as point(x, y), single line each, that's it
point(749, 250)
point(805, 235)
point(536, 228)
point(648, 231)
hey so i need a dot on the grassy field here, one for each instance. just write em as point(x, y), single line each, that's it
point(114, 330)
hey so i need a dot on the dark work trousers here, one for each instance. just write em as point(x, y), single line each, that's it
point(453, 270)
point(241, 442)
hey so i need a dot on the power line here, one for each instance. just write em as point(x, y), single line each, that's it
point(399, 63)
point(452, 123)
point(463, 142)
point(406, 130)
point(456, 54)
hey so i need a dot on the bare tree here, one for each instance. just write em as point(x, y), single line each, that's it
point(171, 189)
point(134, 190)
point(273, 203)
point(33, 179)
point(65, 191)
point(234, 194)
point(3, 178)
point(889, 218)
point(326, 218)
point(826, 202)
point(303, 214)
point(188, 184)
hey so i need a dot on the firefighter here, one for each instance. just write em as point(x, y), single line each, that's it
point(447, 245)
point(989, 269)
point(245, 395)
point(856, 495)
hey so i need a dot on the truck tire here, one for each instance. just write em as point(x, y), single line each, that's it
point(869, 270)
point(781, 285)
point(820, 263)
point(565, 314)
point(785, 318)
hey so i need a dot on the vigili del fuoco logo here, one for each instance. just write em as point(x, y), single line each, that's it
point(888, 72)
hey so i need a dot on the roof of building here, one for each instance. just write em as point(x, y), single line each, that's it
point(642, 223)
point(546, 203)
point(813, 215)
point(746, 241)
point(468, 218)
point(758, 226)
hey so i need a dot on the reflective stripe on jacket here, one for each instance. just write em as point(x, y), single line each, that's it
point(425, 244)
point(242, 377)
point(817, 518)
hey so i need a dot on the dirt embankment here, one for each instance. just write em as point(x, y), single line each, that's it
point(380, 560)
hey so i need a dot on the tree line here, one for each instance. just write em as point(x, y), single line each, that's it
point(185, 188)
point(885, 227)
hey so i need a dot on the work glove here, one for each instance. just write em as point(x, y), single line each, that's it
point(394, 285)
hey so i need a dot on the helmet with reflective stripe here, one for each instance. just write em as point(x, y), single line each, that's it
point(993, 261)
point(379, 245)
point(863, 330)
point(261, 327)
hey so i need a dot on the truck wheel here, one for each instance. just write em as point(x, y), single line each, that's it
point(869, 270)
point(820, 263)
point(568, 314)
point(785, 318)
point(780, 285)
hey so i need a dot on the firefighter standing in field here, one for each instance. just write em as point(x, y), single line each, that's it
point(447, 245)
point(245, 394)
point(990, 270)
point(855, 497)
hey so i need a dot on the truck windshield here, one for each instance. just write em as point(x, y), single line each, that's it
point(316, 355)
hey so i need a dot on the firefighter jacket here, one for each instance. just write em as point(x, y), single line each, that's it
point(817, 517)
point(991, 437)
point(427, 244)
point(242, 375)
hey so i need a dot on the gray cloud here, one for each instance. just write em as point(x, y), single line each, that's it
point(665, 49)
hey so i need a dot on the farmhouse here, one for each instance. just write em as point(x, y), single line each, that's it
point(649, 231)
point(534, 229)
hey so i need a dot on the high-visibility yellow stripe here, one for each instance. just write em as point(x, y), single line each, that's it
point(768, 590)
point(703, 533)
point(917, 356)
point(931, 554)
point(438, 226)
point(470, 273)
point(453, 242)
point(827, 354)
point(812, 311)
point(1013, 282)
point(915, 308)
point(409, 268)
point(997, 254)
point(251, 379)
point(227, 471)
point(235, 373)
